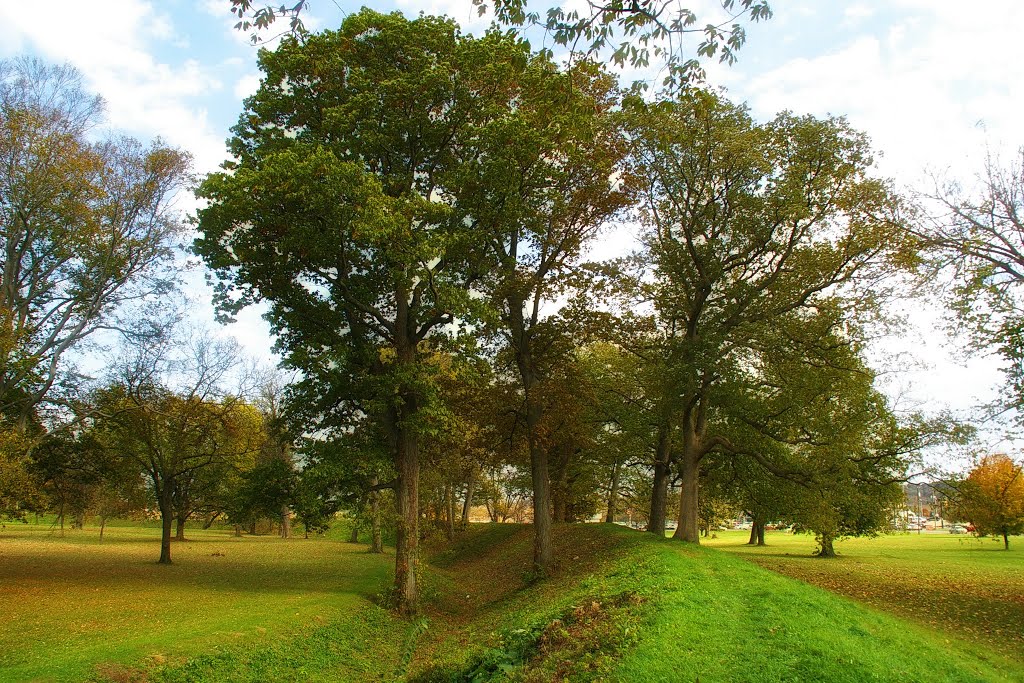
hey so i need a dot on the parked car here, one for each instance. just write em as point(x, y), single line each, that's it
point(958, 529)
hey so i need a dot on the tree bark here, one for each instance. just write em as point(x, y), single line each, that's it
point(558, 504)
point(662, 472)
point(694, 428)
point(407, 536)
point(543, 553)
point(354, 538)
point(613, 495)
point(103, 525)
point(759, 526)
point(286, 522)
point(450, 500)
point(179, 533)
point(468, 502)
point(686, 529)
point(826, 549)
point(753, 534)
point(166, 505)
point(1006, 541)
point(376, 546)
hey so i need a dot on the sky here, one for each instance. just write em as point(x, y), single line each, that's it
point(934, 83)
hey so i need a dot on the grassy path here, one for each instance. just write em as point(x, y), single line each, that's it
point(966, 587)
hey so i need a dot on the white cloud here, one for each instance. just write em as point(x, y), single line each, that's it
point(247, 85)
point(113, 51)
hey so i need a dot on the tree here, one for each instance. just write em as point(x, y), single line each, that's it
point(978, 238)
point(86, 226)
point(344, 211)
point(171, 414)
point(648, 28)
point(992, 497)
point(540, 189)
point(747, 224)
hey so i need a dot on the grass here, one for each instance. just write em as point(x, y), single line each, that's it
point(74, 605)
point(623, 606)
point(965, 587)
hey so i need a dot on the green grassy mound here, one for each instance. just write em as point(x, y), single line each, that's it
point(630, 607)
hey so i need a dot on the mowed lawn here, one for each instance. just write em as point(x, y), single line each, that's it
point(73, 606)
point(964, 586)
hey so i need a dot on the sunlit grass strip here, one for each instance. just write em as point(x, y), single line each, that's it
point(969, 588)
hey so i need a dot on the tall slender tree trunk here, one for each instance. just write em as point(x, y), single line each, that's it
point(694, 421)
point(376, 546)
point(753, 534)
point(468, 502)
point(1006, 541)
point(286, 522)
point(559, 504)
point(179, 532)
point(103, 525)
point(354, 538)
point(662, 472)
point(689, 466)
point(166, 505)
point(450, 499)
point(613, 495)
point(543, 553)
point(407, 536)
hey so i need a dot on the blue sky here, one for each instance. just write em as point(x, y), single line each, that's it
point(933, 82)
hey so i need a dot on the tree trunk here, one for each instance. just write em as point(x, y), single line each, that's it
point(753, 534)
point(166, 521)
point(286, 522)
point(252, 528)
point(238, 530)
point(103, 525)
point(468, 502)
point(208, 523)
point(686, 530)
point(543, 553)
point(613, 495)
point(407, 499)
point(558, 504)
point(825, 549)
point(1006, 541)
point(354, 538)
point(659, 491)
point(759, 527)
point(179, 534)
point(79, 522)
point(450, 495)
point(376, 546)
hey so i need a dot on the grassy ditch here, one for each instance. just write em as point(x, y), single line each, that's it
point(621, 606)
